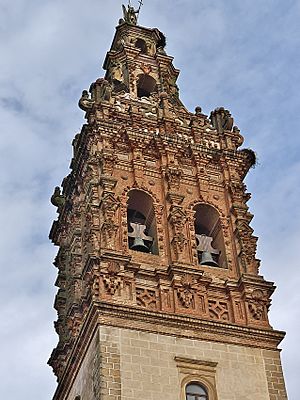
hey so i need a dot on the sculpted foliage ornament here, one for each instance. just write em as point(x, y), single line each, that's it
point(173, 176)
point(257, 305)
point(112, 282)
point(186, 292)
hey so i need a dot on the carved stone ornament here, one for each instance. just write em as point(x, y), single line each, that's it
point(146, 68)
point(129, 15)
point(257, 305)
point(112, 282)
point(103, 90)
point(179, 241)
point(146, 298)
point(173, 176)
point(108, 162)
point(218, 310)
point(109, 207)
point(58, 199)
point(177, 219)
point(186, 293)
point(221, 120)
point(85, 102)
point(109, 230)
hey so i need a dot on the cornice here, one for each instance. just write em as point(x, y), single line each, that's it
point(127, 317)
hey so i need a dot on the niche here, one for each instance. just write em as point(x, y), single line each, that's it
point(146, 85)
point(141, 223)
point(209, 236)
point(141, 44)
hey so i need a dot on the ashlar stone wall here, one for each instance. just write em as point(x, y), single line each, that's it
point(136, 365)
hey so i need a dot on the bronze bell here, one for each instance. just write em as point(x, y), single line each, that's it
point(207, 259)
point(139, 245)
point(139, 238)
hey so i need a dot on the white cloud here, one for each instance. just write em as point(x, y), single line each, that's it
point(238, 54)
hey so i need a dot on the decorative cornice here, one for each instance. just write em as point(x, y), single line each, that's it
point(126, 317)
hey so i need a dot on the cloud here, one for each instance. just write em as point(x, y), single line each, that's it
point(238, 54)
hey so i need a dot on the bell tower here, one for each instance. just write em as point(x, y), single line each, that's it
point(159, 291)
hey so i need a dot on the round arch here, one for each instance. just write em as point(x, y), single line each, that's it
point(140, 211)
point(209, 232)
point(146, 85)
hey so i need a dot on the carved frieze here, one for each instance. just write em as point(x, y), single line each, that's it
point(147, 298)
point(219, 309)
point(186, 293)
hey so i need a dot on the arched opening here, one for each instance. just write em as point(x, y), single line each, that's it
point(209, 236)
point(141, 223)
point(146, 85)
point(141, 44)
point(195, 391)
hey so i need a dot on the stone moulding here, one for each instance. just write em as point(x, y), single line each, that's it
point(124, 317)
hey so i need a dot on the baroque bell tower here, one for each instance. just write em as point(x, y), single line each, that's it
point(159, 292)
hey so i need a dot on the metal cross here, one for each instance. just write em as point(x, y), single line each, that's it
point(141, 4)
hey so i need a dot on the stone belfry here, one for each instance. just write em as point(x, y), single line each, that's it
point(159, 294)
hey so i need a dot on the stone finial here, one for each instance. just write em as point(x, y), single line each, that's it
point(198, 110)
point(221, 119)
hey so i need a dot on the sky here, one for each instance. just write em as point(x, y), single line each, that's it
point(243, 55)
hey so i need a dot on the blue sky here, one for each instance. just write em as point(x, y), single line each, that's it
point(243, 55)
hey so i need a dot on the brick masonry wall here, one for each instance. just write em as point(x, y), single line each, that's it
point(138, 365)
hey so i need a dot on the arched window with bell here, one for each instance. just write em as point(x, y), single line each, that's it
point(141, 223)
point(146, 85)
point(141, 44)
point(209, 236)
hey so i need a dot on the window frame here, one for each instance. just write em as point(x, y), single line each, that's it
point(201, 371)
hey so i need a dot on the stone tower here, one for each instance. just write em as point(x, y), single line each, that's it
point(159, 294)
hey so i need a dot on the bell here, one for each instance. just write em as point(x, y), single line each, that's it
point(139, 245)
point(139, 238)
point(207, 259)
